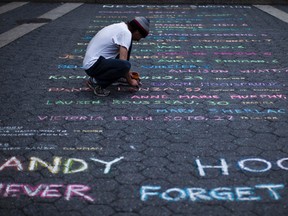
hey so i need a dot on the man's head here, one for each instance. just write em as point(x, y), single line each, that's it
point(139, 27)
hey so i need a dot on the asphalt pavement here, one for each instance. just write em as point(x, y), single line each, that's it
point(206, 134)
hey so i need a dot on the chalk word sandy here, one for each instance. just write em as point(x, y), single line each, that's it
point(70, 165)
point(45, 191)
point(199, 194)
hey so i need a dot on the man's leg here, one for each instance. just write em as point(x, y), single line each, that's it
point(110, 70)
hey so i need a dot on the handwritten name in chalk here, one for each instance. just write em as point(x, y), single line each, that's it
point(247, 111)
point(229, 24)
point(199, 29)
point(82, 148)
point(158, 56)
point(198, 97)
point(171, 25)
point(64, 66)
point(69, 165)
point(218, 47)
point(62, 77)
point(69, 118)
point(77, 51)
point(258, 61)
point(180, 54)
point(234, 40)
point(142, 6)
point(198, 118)
point(133, 118)
point(175, 66)
point(173, 84)
point(224, 6)
point(179, 110)
point(158, 89)
point(199, 194)
point(278, 96)
point(171, 77)
point(179, 96)
point(149, 97)
point(82, 44)
point(239, 84)
point(243, 53)
point(230, 78)
point(46, 191)
point(266, 70)
point(68, 56)
point(171, 39)
point(72, 102)
point(180, 60)
point(257, 102)
point(56, 89)
point(119, 12)
point(213, 35)
point(199, 71)
point(259, 118)
point(156, 102)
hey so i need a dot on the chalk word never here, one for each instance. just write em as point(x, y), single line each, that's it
point(70, 166)
point(45, 191)
point(198, 194)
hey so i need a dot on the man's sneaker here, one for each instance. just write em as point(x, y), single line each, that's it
point(99, 91)
point(121, 81)
point(91, 83)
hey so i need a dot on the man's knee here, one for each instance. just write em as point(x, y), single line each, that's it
point(126, 66)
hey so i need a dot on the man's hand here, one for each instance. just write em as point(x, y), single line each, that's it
point(134, 83)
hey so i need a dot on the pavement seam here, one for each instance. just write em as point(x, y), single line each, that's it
point(21, 30)
point(274, 12)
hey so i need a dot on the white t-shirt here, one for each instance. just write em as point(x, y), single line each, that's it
point(106, 43)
